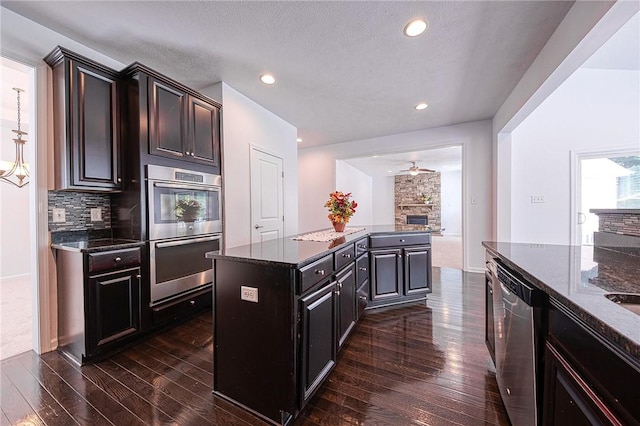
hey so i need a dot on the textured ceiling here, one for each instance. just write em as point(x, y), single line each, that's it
point(344, 70)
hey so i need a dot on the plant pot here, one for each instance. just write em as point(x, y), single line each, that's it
point(339, 226)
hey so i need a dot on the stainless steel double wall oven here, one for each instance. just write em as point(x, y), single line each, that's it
point(184, 222)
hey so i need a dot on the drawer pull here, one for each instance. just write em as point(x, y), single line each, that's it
point(363, 297)
point(362, 246)
point(402, 241)
point(319, 271)
point(138, 276)
point(363, 269)
point(347, 255)
point(399, 256)
point(192, 302)
point(118, 259)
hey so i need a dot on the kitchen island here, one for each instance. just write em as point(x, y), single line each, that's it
point(591, 348)
point(283, 309)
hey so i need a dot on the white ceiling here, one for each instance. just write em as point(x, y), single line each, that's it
point(344, 70)
point(441, 160)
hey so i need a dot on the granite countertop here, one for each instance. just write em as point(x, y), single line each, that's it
point(90, 241)
point(295, 254)
point(579, 277)
point(94, 246)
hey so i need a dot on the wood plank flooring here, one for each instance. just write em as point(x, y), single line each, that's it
point(415, 364)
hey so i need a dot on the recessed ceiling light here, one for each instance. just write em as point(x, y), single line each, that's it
point(415, 27)
point(299, 140)
point(267, 79)
point(374, 156)
point(389, 171)
point(421, 106)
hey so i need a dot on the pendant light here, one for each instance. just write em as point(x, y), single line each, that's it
point(16, 173)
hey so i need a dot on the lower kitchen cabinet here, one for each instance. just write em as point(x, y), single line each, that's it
point(400, 269)
point(587, 382)
point(98, 301)
point(346, 294)
point(318, 336)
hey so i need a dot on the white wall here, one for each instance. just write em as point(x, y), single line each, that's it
point(595, 109)
point(245, 123)
point(383, 189)
point(317, 176)
point(586, 27)
point(350, 179)
point(451, 202)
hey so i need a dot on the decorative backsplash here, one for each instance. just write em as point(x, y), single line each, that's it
point(625, 223)
point(77, 208)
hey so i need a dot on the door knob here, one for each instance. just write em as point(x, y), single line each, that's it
point(258, 226)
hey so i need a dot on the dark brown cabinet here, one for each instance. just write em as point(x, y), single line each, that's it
point(400, 270)
point(114, 306)
point(346, 292)
point(587, 381)
point(98, 301)
point(86, 123)
point(182, 126)
point(318, 338)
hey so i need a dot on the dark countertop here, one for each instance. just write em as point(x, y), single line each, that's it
point(579, 277)
point(295, 254)
point(615, 211)
point(94, 246)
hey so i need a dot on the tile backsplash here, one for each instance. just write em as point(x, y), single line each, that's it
point(77, 207)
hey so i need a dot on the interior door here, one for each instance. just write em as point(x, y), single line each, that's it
point(267, 209)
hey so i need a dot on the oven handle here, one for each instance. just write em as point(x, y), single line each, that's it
point(184, 242)
point(190, 186)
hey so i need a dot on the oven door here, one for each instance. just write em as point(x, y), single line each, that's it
point(178, 266)
point(201, 214)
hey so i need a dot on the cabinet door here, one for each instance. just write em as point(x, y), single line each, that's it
point(417, 270)
point(567, 398)
point(318, 338)
point(489, 333)
point(94, 153)
point(386, 274)
point(113, 307)
point(346, 281)
point(204, 132)
point(167, 118)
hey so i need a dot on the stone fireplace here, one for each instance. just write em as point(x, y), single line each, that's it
point(409, 206)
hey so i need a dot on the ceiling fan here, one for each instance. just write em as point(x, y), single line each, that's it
point(415, 170)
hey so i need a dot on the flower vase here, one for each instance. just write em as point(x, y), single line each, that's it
point(339, 226)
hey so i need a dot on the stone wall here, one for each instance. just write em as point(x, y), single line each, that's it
point(409, 189)
point(625, 224)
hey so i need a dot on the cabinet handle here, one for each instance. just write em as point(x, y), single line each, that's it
point(363, 297)
point(347, 255)
point(399, 256)
point(340, 285)
point(119, 180)
point(138, 276)
point(363, 269)
point(362, 246)
point(193, 154)
point(187, 153)
point(319, 271)
point(192, 302)
point(402, 241)
point(118, 259)
point(336, 292)
point(490, 291)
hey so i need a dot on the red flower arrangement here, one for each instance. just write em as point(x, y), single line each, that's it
point(341, 208)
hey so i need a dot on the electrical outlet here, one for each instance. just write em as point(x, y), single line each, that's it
point(474, 200)
point(537, 198)
point(250, 294)
point(96, 215)
point(59, 216)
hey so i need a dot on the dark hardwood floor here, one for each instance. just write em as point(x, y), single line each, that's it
point(414, 364)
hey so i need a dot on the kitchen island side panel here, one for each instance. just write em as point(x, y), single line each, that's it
point(255, 342)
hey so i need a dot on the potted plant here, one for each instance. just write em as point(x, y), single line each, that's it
point(341, 208)
point(187, 210)
point(425, 198)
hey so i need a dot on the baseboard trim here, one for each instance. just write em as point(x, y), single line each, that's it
point(475, 270)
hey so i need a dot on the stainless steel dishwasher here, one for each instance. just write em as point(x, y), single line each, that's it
point(519, 342)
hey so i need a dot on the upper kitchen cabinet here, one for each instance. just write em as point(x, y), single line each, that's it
point(182, 124)
point(86, 123)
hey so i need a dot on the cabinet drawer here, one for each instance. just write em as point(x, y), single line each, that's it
point(362, 295)
point(182, 307)
point(362, 246)
point(114, 259)
point(399, 240)
point(362, 269)
point(311, 274)
point(344, 256)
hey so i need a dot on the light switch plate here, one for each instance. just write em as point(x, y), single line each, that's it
point(96, 215)
point(59, 216)
point(250, 294)
point(537, 198)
